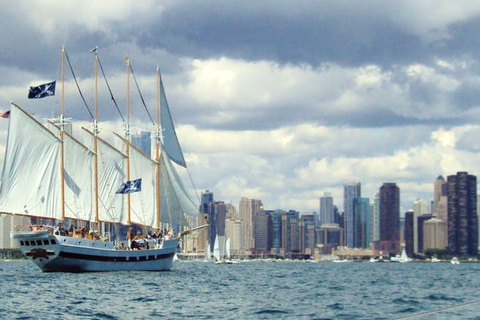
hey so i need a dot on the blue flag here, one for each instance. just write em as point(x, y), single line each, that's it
point(130, 186)
point(42, 91)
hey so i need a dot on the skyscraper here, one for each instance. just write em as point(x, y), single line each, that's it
point(247, 209)
point(326, 209)
point(351, 190)
point(390, 218)
point(408, 232)
point(462, 214)
point(419, 209)
point(437, 192)
point(362, 226)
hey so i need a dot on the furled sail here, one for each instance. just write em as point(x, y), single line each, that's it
point(31, 176)
point(170, 140)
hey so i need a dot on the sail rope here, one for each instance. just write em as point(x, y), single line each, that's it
point(424, 313)
point(78, 86)
point(140, 93)
point(109, 89)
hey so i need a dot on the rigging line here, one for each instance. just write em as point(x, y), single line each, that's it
point(140, 93)
point(110, 90)
point(415, 315)
point(78, 87)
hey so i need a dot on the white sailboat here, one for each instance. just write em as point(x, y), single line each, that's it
point(49, 174)
point(216, 250)
point(401, 258)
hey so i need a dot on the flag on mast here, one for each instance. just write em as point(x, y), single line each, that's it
point(42, 91)
point(130, 186)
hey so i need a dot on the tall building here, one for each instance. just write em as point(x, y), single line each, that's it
point(351, 190)
point(263, 232)
point(408, 232)
point(204, 235)
point(247, 209)
point(419, 209)
point(326, 209)
point(277, 231)
point(375, 213)
point(437, 193)
point(362, 226)
point(216, 216)
point(434, 234)
point(421, 234)
point(307, 233)
point(462, 214)
point(234, 232)
point(290, 232)
point(390, 218)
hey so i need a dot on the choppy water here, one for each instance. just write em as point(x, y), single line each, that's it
point(250, 290)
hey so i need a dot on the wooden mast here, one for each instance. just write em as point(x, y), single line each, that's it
point(157, 153)
point(127, 142)
point(95, 138)
point(62, 164)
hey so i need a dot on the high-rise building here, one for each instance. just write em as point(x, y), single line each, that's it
point(247, 209)
point(326, 209)
point(419, 209)
point(408, 232)
point(262, 232)
point(462, 214)
point(361, 210)
point(437, 193)
point(307, 233)
point(351, 190)
point(234, 232)
point(277, 231)
point(216, 227)
point(390, 218)
point(434, 234)
point(375, 214)
point(290, 232)
point(204, 235)
point(421, 234)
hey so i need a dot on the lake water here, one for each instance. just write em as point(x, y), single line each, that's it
point(248, 290)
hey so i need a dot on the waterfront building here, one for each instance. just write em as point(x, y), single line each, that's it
point(216, 217)
point(462, 214)
point(351, 190)
point(362, 226)
point(419, 209)
point(247, 209)
point(330, 236)
point(290, 232)
point(375, 218)
point(263, 227)
point(306, 233)
point(326, 209)
point(408, 232)
point(8, 223)
point(234, 232)
point(389, 218)
point(421, 223)
point(204, 235)
point(437, 192)
point(434, 234)
point(277, 231)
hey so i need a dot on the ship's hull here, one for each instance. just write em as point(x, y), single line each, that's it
point(52, 253)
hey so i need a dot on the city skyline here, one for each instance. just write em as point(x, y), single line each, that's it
point(273, 100)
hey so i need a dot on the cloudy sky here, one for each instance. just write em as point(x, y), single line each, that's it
point(273, 100)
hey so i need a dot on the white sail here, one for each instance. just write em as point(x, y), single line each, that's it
point(143, 202)
point(31, 176)
point(227, 249)
point(78, 177)
point(216, 249)
point(111, 175)
point(170, 140)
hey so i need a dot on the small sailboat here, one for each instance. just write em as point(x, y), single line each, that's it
point(401, 258)
point(51, 176)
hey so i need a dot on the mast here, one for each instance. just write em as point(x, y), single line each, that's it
point(127, 142)
point(157, 153)
point(62, 164)
point(95, 137)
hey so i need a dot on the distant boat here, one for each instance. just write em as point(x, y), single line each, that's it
point(50, 175)
point(401, 258)
point(454, 260)
point(434, 259)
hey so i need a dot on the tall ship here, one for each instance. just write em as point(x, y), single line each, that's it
point(104, 205)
